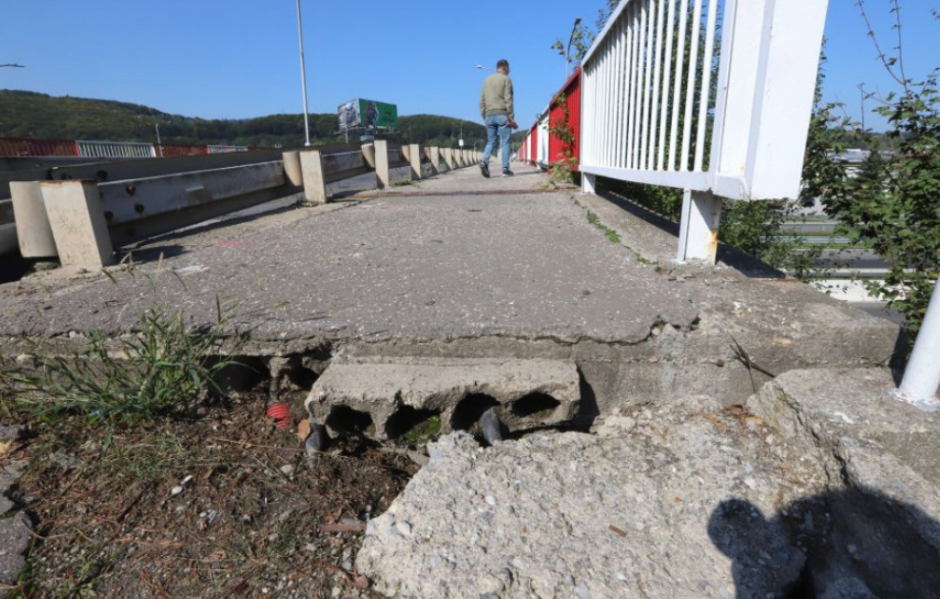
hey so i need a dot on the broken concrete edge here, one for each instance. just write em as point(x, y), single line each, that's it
point(852, 519)
point(870, 442)
point(391, 393)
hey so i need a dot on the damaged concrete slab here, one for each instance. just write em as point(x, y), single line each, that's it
point(460, 267)
point(535, 393)
point(822, 488)
point(576, 515)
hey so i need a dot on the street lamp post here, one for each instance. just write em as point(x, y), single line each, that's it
point(568, 50)
point(303, 73)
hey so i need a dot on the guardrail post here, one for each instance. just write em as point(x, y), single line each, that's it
point(293, 168)
point(414, 157)
point(436, 159)
point(368, 154)
point(78, 223)
point(922, 375)
point(311, 162)
point(32, 222)
point(382, 170)
point(698, 231)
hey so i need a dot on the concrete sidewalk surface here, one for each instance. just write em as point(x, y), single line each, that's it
point(465, 267)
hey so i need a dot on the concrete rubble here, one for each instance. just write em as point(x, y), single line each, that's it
point(823, 487)
point(15, 532)
point(459, 390)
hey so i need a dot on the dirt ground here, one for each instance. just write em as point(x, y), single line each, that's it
point(219, 505)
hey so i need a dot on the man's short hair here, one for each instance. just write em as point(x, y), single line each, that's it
point(502, 63)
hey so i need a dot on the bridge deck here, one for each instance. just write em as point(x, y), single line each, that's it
point(461, 266)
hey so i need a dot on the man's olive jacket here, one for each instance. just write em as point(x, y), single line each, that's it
point(496, 97)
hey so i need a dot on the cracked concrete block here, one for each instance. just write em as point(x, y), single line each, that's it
point(14, 542)
point(381, 387)
point(642, 514)
point(883, 462)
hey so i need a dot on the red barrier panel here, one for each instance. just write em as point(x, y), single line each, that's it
point(22, 147)
point(167, 150)
point(569, 98)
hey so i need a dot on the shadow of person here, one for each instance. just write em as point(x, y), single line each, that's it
point(851, 544)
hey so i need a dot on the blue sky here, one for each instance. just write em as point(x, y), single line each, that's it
point(238, 58)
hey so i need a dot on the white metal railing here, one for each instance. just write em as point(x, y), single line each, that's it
point(710, 96)
point(114, 149)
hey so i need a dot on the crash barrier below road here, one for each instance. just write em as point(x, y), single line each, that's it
point(81, 213)
point(27, 147)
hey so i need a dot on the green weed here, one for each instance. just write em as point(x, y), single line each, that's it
point(165, 368)
point(611, 235)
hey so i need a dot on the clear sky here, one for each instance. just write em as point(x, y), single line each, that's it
point(238, 58)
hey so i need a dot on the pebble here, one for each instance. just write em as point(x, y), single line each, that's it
point(176, 490)
point(287, 470)
point(490, 500)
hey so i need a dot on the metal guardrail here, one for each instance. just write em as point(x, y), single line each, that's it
point(21, 147)
point(81, 213)
point(18, 147)
point(113, 149)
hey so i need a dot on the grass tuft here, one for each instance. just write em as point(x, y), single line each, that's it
point(165, 368)
point(611, 235)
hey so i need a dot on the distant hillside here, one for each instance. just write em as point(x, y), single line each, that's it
point(29, 114)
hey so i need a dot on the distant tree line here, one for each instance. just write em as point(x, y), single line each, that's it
point(30, 114)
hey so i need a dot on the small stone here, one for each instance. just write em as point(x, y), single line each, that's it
point(176, 490)
point(490, 500)
point(287, 470)
point(582, 591)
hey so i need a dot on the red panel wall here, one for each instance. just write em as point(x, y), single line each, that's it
point(572, 96)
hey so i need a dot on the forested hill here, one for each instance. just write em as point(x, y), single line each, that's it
point(29, 114)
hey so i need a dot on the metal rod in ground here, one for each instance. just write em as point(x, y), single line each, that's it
point(922, 376)
point(492, 428)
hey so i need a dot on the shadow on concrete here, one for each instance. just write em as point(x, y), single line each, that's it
point(744, 263)
point(152, 248)
point(13, 268)
point(153, 253)
point(857, 545)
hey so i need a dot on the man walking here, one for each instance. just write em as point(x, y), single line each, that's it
point(497, 110)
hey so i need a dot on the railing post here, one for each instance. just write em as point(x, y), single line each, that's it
point(698, 231)
point(922, 376)
point(588, 183)
point(311, 163)
point(382, 170)
point(78, 224)
point(448, 158)
point(32, 222)
point(414, 158)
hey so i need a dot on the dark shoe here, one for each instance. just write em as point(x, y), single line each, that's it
point(508, 173)
point(485, 169)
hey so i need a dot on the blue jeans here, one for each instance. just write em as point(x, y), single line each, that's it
point(497, 124)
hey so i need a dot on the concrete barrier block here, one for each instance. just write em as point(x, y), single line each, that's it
point(382, 170)
point(32, 222)
point(78, 223)
point(414, 158)
point(368, 154)
point(311, 162)
point(293, 169)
